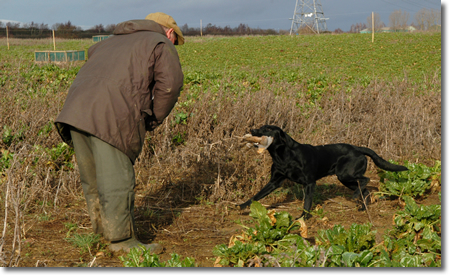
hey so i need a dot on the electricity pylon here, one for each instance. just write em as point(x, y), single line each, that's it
point(308, 13)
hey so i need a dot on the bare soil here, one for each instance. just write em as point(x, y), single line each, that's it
point(193, 229)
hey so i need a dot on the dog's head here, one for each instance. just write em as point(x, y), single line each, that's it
point(267, 130)
point(265, 136)
point(270, 131)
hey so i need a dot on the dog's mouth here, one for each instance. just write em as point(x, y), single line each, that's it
point(261, 143)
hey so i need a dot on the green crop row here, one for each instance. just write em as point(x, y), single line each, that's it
point(415, 241)
point(322, 63)
point(414, 182)
point(348, 57)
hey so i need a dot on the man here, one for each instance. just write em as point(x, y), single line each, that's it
point(129, 85)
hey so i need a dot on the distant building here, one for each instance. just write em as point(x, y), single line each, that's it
point(410, 29)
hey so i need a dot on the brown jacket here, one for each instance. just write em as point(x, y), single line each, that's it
point(130, 84)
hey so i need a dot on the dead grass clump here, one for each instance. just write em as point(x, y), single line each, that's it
point(37, 172)
point(395, 120)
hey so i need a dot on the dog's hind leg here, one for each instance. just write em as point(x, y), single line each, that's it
point(350, 172)
point(361, 190)
point(309, 190)
point(358, 186)
point(272, 185)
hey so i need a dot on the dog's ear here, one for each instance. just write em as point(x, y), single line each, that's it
point(283, 137)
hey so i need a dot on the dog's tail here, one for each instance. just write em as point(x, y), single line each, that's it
point(380, 162)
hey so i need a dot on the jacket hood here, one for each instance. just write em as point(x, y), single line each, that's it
point(133, 26)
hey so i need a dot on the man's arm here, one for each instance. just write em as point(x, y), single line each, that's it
point(168, 79)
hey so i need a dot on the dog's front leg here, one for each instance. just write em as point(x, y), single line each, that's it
point(272, 185)
point(310, 189)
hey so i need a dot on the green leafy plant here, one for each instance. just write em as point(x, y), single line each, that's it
point(8, 136)
point(414, 182)
point(5, 159)
point(62, 150)
point(178, 138)
point(239, 253)
point(142, 257)
point(84, 241)
point(414, 242)
point(271, 226)
point(316, 86)
point(58, 156)
point(70, 227)
point(349, 247)
point(420, 225)
point(181, 118)
point(271, 244)
point(46, 129)
point(357, 238)
point(267, 236)
point(416, 239)
point(418, 218)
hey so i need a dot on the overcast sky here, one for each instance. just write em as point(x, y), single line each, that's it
point(264, 14)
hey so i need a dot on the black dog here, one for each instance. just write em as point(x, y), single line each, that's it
point(305, 164)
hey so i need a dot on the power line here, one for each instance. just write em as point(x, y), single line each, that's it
point(416, 4)
point(402, 7)
point(352, 13)
point(408, 4)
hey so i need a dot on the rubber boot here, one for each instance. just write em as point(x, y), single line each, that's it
point(132, 242)
point(126, 246)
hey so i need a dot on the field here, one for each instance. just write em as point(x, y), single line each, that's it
point(193, 169)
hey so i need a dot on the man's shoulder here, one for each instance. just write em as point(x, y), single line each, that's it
point(134, 26)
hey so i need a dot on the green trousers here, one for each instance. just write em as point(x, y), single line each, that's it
point(108, 180)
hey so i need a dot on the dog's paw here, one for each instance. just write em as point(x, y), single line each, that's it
point(305, 215)
point(244, 205)
point(361, 206)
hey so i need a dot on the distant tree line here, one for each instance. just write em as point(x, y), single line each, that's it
point(424, 20)
point(241, 29)
point(62, 30)
point(68, 30)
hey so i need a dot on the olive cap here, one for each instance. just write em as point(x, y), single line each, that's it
point(167, 21)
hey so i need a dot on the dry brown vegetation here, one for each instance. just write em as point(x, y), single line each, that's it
point(396, 120)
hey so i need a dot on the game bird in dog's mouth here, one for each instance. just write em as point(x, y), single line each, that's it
point(305, 164)
point(261, 143)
